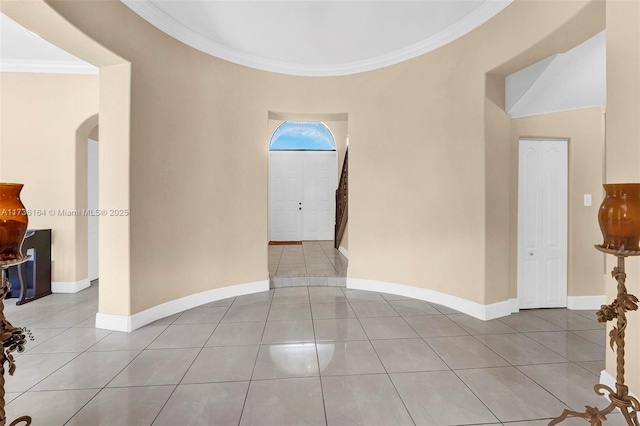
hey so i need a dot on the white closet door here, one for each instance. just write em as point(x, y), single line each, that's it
point(542, 223)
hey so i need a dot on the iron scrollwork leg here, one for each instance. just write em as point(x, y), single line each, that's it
point(619, 398)
point(12, 339)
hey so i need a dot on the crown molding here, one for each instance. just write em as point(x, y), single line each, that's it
point(46, 67)
point(147, 11)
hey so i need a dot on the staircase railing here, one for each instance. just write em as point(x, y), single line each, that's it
point(342, 201)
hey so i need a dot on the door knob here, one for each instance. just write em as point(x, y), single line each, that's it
point(299, 208)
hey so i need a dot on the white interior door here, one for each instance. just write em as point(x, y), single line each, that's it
point(285, 196)
point(319, 201)
point(302, 188)
point(542, 223)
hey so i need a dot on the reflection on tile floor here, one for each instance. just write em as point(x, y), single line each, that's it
point(305, 355)
point(314, 263)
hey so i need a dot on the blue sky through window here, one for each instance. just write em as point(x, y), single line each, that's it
point(302, 135)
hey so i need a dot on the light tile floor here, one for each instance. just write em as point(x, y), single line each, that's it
point(305, 355)
point(311, 259)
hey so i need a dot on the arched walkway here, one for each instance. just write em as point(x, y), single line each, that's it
point(114, 110)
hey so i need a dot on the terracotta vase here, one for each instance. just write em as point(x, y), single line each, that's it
point(13, 221)
point(619, 216)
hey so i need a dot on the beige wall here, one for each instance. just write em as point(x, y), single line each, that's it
point(497, 169)
point(43, 145)
point(418, 204)
point(95, 133)
point(115, 189)
point(623, 149)
point(340, 130)
point(584, 130)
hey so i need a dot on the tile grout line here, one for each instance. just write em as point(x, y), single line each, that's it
point(275, 274)
point(330, 262)
point(541, 386)
point(477, 396)
point(304, 258)
point(66, 363)
point(511, 365)
point(335, 274)
point(445, 363)
point(246, 396)
point(315, 342)
point(404, 404)
point(132, 360)
point(490, 349)
point(99, 389)
point(349, 303)
point(192, 361)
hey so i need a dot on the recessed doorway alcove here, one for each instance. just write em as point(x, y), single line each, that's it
point(304, 167)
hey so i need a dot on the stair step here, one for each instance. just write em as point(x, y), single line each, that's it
point(279, 282)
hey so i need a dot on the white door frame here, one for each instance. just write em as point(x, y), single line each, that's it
point(544, 249)
point(303, 157)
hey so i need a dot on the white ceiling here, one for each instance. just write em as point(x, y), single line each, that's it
point(23, 51)
point(572, 80)
point(292, 37)
point(316, 37)
point(334, 38)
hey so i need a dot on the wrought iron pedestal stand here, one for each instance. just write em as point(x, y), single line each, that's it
point(12, 339)
point(619, 398)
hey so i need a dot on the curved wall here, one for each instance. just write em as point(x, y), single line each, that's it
point(416, 130)
point(418, 210)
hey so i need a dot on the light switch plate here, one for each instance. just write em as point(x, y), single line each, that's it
point(587, 200)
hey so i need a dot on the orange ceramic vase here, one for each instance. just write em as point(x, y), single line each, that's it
point(13, 221)
point(619, 216)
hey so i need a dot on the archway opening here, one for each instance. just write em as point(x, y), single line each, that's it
point(303, 179)
point(44, 20)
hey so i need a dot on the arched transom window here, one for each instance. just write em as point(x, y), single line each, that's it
point(302, 136)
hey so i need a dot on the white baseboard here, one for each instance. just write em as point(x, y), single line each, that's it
point(608, 380)
point(129, 323)
point(344, 251)
point(477, 310)
point(515, 305)
point(70, 286)
point(114, 322)
point(585, 302)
